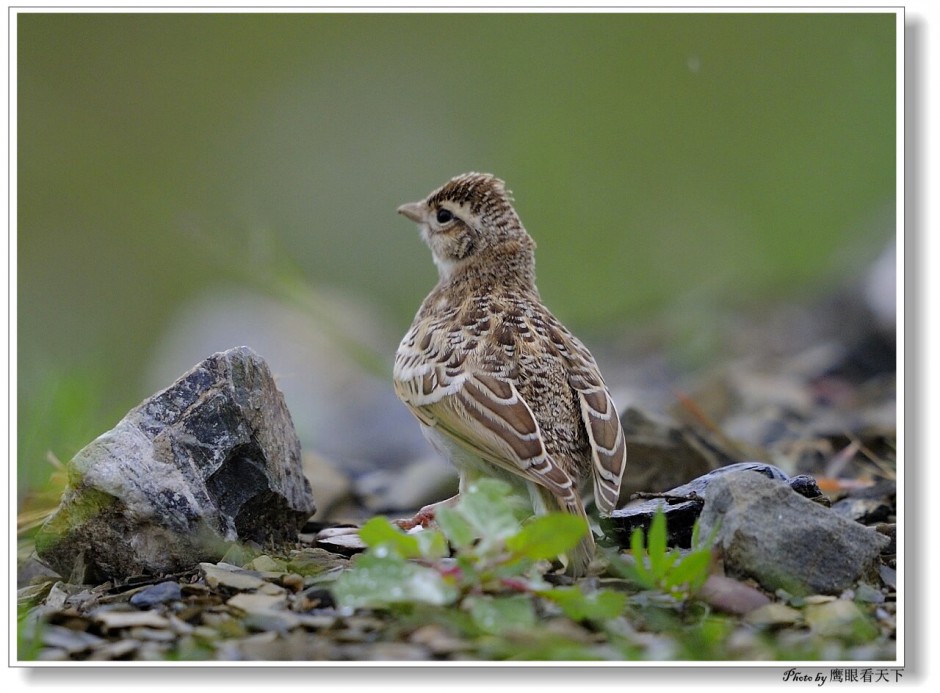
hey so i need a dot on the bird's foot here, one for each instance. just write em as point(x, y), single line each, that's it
point(425, 516)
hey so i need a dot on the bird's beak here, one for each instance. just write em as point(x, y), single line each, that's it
point(413, 210)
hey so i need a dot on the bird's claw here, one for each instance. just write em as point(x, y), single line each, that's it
point(423, 518)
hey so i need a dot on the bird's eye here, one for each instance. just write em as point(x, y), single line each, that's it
point(444, 216)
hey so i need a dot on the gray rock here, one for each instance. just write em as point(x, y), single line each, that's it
point(342, 540)
point(157, 594)
point(116, 620)
point(211, 460)
point(682, 505)
point(230, 576)
point(783, 540)
point(72, 641)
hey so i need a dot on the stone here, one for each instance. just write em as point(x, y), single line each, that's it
point(265, 620)
point(265, 564)
point(114, 650)
point(773, 614)
point(683, 504)
point(292, 582)
point(869, 594)
point(889, 576)
point(57, 596)
point(115, 620)
point(730, 595)
point(151, 634)
point(785, 541)
point(72, 641)
point(839, 618)
point(252, 602)
point(314, 561)
point(160, 593)
point(33, 594)
point(209, 461)
point(389, 651)
point(230, 576)
point(341, 540)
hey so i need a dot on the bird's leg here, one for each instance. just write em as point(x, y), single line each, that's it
point(425, 515)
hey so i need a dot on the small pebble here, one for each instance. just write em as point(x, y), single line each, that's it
point(343, 544)
point(57, 596)
point(773, 614)
point(819, 598)
point(838, 618)
point(293, 582)
point(867, 593)
point(71, 641)
point(128, 619)
point(229, 576)
point(53, 654)
point(277, 621)
point(271, 589)
point(732, 596)
point(114, 650)
point(889, 576)
point(265, 564)
point(157, 594)
point(251, 602)
point(152, 634)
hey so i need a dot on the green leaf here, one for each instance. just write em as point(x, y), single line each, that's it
point(487, 507)
point(548, 536)
point(431, 543)
point(656, 545)
point(638, 543)
point(692, 570)
point(457, 530)
point(596, 606)
point(378, 580)
point(502, 614)
point(668, 561)
point(379, 531)
point(426, 543)
point(639, 572)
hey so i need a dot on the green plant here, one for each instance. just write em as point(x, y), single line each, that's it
point(495, 575)
point(652, 565)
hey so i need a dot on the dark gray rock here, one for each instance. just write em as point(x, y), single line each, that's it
point(783, 540)
point(211, 460)
point(160, 593)
point(683, 504)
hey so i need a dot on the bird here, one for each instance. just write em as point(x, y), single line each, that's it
point(499, 385)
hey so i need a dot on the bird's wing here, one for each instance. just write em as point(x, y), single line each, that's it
point(608, 447)
point(488, 417)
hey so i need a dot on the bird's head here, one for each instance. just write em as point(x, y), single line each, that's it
point(469, 217)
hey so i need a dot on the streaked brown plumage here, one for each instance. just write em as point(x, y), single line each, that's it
point(499, 385)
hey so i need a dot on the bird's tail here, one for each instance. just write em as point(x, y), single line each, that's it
point(577, 559)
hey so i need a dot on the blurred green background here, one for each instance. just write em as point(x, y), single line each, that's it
point(653, 157)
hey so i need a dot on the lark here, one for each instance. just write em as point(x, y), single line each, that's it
point(500, 387)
